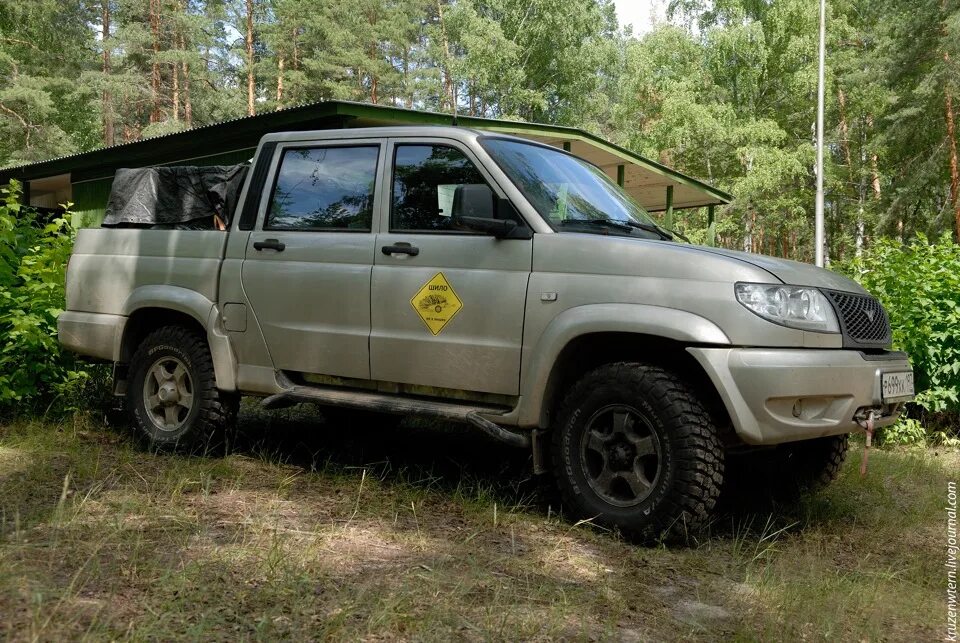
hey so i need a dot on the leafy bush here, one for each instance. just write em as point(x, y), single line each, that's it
point(919, 284)
point(34, 372)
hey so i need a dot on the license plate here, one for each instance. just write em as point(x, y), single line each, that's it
point(896, 387)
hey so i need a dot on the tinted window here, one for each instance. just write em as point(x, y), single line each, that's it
point(427, 182)
point(324, 188)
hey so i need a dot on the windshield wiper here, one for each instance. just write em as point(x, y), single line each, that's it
point(667, 233)
point(626, 226)
point(654, 228)
point(609, 223)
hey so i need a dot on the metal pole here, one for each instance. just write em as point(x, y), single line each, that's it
point(711, 226)
point(818, 225)
point(668, 215)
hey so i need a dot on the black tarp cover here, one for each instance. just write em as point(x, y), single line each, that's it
point(174, 196)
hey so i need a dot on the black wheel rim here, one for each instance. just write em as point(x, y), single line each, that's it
point(621, 455)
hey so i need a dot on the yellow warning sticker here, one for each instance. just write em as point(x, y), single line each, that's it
point(436, 303)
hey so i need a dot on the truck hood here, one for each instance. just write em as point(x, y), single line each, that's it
point(581, 253)
point(791, 272)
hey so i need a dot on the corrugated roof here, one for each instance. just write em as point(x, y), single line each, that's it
point(644, 179)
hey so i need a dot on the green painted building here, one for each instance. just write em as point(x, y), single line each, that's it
point(84, 179)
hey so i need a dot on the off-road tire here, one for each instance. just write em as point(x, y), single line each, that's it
point(816, 463)
point(786, 471)
point(213, 413)
point(690, 459)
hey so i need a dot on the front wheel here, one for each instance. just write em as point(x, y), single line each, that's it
point(785, 472)
point(635, 449)
point(172, 394)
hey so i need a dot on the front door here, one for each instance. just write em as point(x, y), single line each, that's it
point(447, 303)
point(308, 262)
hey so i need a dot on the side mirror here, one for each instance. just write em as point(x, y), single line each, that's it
point(500, 228)
point(473, 200)
point(477, 208)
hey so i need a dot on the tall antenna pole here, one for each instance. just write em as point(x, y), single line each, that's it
point(818, 225)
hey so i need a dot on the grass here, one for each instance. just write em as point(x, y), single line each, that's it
point(433, 533)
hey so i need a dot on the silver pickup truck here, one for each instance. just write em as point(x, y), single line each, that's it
point(486, 279)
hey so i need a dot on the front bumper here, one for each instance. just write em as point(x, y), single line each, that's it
point(784, 395)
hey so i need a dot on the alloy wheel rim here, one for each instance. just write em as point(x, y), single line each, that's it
point(621, 455)
point(168, 393)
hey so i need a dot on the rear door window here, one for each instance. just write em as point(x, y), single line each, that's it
point(324, 189)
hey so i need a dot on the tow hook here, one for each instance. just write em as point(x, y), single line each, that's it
point(866, 420)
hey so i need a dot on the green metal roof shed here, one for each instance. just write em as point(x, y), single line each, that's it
point(85, 178)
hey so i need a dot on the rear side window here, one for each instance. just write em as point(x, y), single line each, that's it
point(324, 188)
point(428, 183)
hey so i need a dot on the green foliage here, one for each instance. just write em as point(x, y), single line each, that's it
point(919, 285)
point(723, 90)
point(34, 372)
point(907, 431)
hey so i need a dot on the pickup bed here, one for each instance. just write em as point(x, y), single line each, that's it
point(509, 285)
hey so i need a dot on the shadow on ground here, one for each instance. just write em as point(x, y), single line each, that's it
point(440, 455)
point(445, 455)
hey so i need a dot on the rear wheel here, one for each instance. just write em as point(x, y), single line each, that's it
point(172, 394)
point(635, 449)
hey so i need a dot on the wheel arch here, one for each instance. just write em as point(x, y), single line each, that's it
point(581, 338)
point(153, 307)
point(589, 351)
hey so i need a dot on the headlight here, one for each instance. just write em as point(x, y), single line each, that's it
point(794, 306)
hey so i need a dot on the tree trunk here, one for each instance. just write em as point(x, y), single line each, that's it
point(875, 176)
point(954, 169)
point(845, 142)
point(175, 91)
point(407, 94)
point(109, 130)
point(295, 62)
point(447, 78)
point(251, 81)
point(279, 79)
point(748, 222)
point(156, 115)
point(187, 104)
point(750, 217)
point(296, 48)
point(373, 74)
point(844, 130)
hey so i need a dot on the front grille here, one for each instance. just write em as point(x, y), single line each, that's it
point(863, 320)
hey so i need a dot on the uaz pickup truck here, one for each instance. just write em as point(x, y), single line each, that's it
point(505, 284)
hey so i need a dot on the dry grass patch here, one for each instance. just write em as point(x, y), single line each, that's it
point(430, 534)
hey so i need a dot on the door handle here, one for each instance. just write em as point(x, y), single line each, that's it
point(269, 244)
point(405, 249)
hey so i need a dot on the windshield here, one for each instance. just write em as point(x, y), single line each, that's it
point(569, 193)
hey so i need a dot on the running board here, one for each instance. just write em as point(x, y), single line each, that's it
point(384, 403)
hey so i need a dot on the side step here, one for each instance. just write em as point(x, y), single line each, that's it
point(384, 403)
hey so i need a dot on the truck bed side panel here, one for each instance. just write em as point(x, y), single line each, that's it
point(109, 264)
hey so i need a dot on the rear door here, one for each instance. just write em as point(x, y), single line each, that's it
point(308, 262)
point(447, 304)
